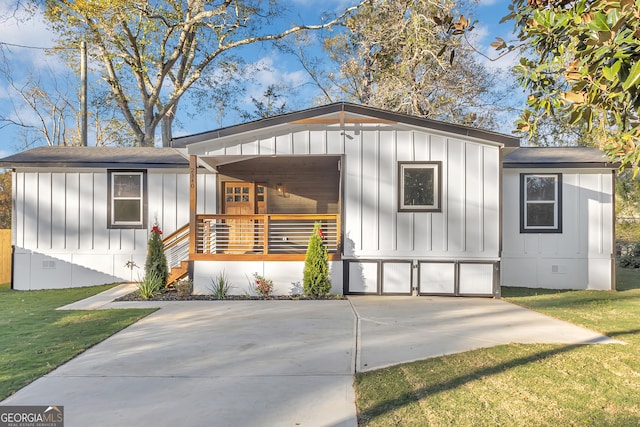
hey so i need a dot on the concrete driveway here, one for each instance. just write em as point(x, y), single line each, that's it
point(275, 363)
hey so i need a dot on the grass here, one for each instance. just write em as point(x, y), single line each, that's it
point(517, 384)
point(36, 338)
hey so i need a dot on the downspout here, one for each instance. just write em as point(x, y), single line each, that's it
point(13, 252)
point(497, 291)
point(613, 230)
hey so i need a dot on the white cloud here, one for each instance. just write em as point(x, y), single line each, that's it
point(22, 27)
point(24, 31)
point(482, 3)
point(272, 70)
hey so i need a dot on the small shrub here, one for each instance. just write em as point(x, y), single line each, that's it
point(315, 280)
point(632, 258)
point(220, 285)
point(264, 286)
point(150, 286)
point(184, 288)
point(156, 264)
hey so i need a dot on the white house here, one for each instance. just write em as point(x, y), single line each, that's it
point(407, 205)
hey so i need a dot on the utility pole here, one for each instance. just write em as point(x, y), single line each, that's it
point(83, 93)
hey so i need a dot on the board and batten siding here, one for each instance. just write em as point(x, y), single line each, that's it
point(582, 256)
point(382, 247)
point(60, 217)
point(467, 226)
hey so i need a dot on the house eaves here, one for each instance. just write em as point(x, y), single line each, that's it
point(557, 157)
point(97, 157)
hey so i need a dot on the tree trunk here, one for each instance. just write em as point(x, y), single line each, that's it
point(148, 139)
point(166, 127)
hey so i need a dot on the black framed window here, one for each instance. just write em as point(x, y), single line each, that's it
point(541, 203)
point(420, 186)
point(127, 194)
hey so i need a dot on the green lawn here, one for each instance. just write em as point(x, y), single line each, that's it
point(35, 338)
point(518, 385)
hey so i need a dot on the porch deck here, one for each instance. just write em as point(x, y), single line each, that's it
point(275, 237)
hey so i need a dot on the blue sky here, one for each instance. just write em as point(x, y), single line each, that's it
point(27, 62)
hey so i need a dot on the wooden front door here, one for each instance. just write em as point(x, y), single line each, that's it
point(239, 199)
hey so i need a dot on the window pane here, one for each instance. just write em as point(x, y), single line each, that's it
point(127, 185)
point(245, 190)
point(418, 186)
point(541, 188)
point(229, 190)
point(540, 214)
point(126, 211)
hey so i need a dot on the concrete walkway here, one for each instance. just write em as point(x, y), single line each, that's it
point(275, 363)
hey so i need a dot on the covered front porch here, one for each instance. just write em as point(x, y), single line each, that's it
point(265, 210)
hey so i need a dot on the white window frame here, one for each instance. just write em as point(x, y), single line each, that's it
point(557, 204)
point(113, 223)
point(437, 186)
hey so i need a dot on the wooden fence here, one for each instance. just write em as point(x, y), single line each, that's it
point(5, 256)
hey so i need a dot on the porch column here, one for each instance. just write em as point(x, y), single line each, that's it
point(193, 203)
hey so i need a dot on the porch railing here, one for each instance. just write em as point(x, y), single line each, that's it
point(268, 234)
point(176, 246)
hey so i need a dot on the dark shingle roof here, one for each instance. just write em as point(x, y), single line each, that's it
point(507, 140)
point(102, 157)
point(549, 157)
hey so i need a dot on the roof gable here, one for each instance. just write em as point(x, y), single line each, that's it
point(342, 114)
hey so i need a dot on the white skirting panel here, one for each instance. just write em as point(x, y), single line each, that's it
point(396, 277)
point(475, 279)
point(437, 278)
point(363, 277)
point(33, 270)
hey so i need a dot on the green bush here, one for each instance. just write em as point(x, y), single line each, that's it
point(156, 264)
point(150, 286)
point(315, 280)
point(220, 285)
point(632, 258)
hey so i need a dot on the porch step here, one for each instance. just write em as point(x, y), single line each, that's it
point(178, 273)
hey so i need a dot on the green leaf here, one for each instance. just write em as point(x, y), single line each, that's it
point(611, 73)
point(599, 22)
point(634, 77)
point(574, 117)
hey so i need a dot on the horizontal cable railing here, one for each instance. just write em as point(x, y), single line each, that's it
point(263, 234)
point(176, 246)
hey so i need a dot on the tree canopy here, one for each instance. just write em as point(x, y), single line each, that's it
point(408, 56)
point(582, 64)
point(152, 52)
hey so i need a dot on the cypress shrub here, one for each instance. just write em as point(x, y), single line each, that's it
point(316, 280)
point(156, 264)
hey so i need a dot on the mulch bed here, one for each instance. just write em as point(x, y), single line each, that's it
point(172, 295)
